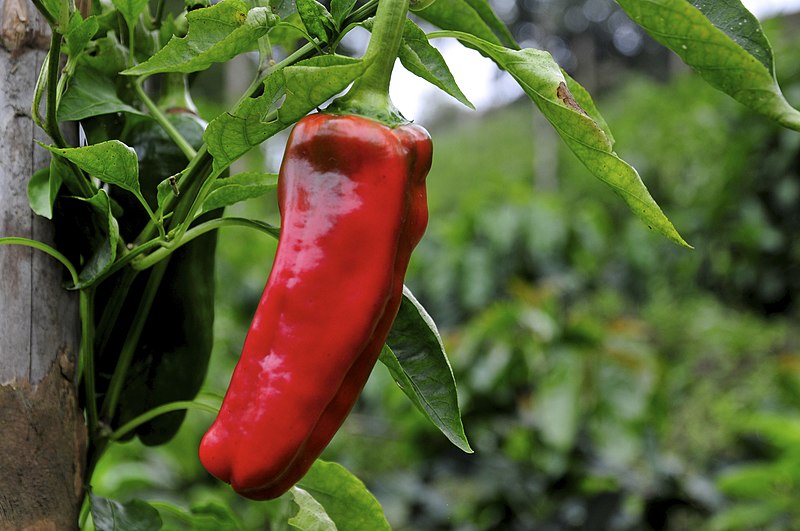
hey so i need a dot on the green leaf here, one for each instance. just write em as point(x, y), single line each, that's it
point(731, 17)
point(725, 44)
point(585, 102)
point(420, 58)
point(104, 238)
point(344, 497)
point(311, 516)
point(61, 171)
point(312, 82)
point(340, 9)
point(206, 516)
point(164, 190)
point(542, 80)
point(106, 55)
point(418, 363)
point(475, 17)
point(316, 19)
point(130, 10)
point(112, 162)
point(239, 187)
point(42, 192)
point(58, 12)
point(79, 33)
point(90, 93)
point(216, 34)
point(135, 515)
point(307, 85)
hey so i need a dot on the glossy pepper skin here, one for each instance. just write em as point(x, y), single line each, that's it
point(351, 192)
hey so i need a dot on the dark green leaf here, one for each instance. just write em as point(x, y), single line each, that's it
point(239, 187)
point(344, 497)
point(135, 515)
point(542, 80)
point(420, 58)
point(90, 93)
point(42, 192)
point(216, 34)
point(62, 172)
point(316, 19)
point(307, 85)
point(469, 16)
point(417, 361)
point(725, 44)
point(732, 18)
point(340, 9)
point(311, 516)
point(104, 238)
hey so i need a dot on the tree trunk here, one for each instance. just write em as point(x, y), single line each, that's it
point(43, 435)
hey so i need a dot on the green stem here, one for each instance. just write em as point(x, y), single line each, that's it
point(361, 13)
point(369, 95)
point(129, 257)
point(45, 13)
point(131, 45)
point(16, 240)
point(131, 341)
point(199, 230)
point(113, 308)
point(199, 168)
point(147, 416)
point(87, 359)
point(163, 121)
point(86, 509)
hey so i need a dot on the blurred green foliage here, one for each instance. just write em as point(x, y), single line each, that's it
point(608, 378)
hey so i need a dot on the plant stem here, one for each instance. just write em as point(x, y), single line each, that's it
point(369, 95)
point(361, 13)
point(87, 358)
point(157, 411)
point(163, 121)
point(113, 308)
point(36, 244)
point(132, 340)
point(198, 231)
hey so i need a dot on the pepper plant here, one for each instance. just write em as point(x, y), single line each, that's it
point(139, 199)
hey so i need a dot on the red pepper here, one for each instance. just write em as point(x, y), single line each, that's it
point(351, 192)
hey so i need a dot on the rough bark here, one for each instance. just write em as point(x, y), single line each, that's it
point(42, 440)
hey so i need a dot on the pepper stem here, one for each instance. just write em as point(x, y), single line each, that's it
point(369, 95)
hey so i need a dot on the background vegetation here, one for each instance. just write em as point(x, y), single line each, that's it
point(608, 378)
